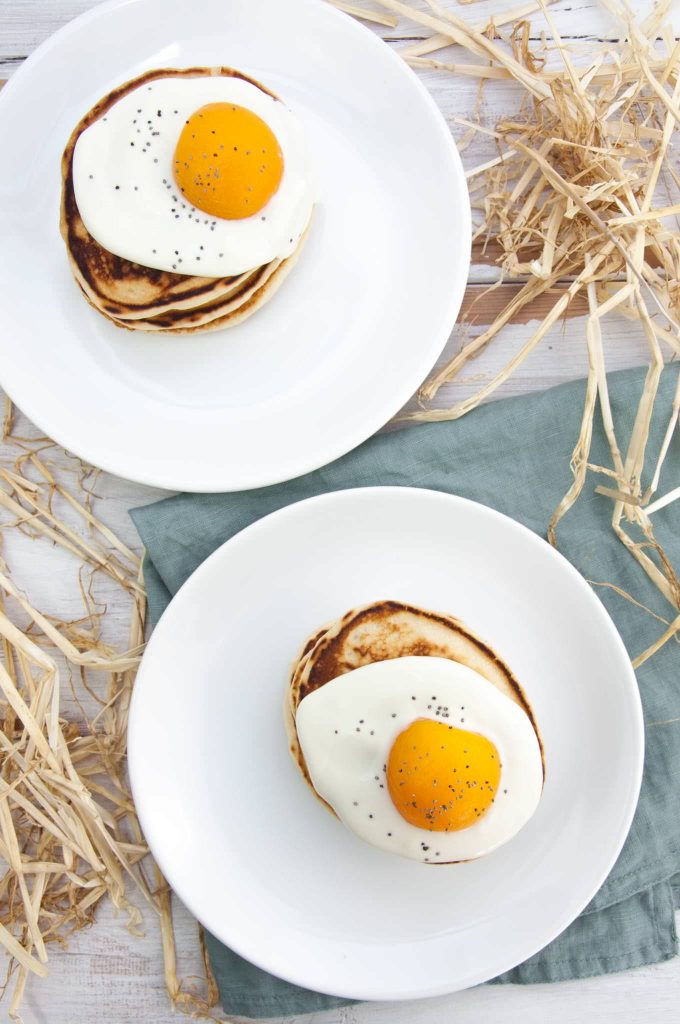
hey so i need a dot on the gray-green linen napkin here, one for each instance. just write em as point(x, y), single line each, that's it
point(514, 456)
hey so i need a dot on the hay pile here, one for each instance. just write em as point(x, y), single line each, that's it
point(580, 200)
point(69, 836)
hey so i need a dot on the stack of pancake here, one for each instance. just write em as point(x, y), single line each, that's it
point(380, 632)
point(141, 298)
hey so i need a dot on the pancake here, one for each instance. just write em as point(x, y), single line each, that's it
point(141, 298)
point(226, 311)
point(380, 632)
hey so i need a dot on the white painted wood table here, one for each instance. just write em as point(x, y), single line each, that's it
point(106, 975)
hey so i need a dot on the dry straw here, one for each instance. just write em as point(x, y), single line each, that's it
point(580, 199)
point(577, 201)
point(69, 835)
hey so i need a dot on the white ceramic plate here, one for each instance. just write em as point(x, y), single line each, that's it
point(345, 342)
point(234, 827)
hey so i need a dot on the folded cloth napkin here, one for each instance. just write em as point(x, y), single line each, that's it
point(512, 455)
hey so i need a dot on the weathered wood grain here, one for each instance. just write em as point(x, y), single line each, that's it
point(24, 24)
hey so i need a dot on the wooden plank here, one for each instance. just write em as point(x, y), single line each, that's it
point(105, 975)
point(482, 304)
point(25, 25)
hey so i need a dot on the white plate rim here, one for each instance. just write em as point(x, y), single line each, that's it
point(185, 593)
point(371, 420)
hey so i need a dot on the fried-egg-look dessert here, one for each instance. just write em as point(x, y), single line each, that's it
point(186, 199)
point(414, 733)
